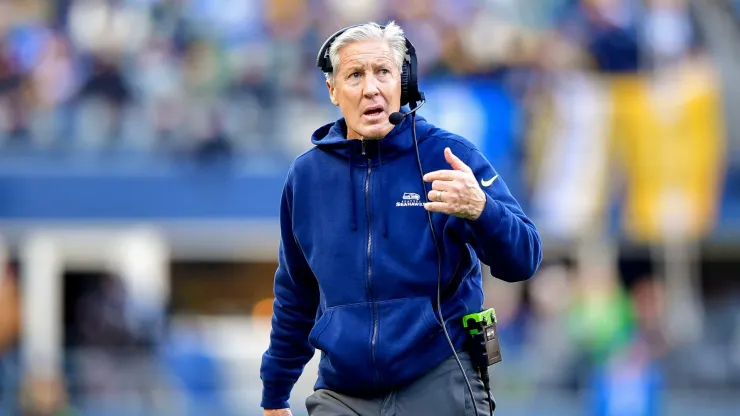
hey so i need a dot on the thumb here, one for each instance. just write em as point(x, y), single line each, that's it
point(455, 161)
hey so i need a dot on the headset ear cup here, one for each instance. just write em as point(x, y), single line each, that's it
point(405, 84)
point(412, 87)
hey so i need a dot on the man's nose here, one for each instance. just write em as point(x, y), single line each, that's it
point(371, 86)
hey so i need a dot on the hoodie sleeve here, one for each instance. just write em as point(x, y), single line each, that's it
point(503, 237)
point(294, 311)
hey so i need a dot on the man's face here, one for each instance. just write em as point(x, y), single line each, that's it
point(367, 88)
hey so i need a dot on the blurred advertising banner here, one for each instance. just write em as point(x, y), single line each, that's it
point(568, 152)
point(670, 143)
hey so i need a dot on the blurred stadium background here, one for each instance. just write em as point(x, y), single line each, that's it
point(145, 144)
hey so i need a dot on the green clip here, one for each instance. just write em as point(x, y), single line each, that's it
point(474, 322)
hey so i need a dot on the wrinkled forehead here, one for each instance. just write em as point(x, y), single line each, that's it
point(363, 54)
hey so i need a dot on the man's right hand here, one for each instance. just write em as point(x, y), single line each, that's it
point(277, 412)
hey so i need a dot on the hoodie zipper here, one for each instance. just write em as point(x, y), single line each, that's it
point(369, 265)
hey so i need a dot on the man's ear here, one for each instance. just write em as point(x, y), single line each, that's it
point(332, 91)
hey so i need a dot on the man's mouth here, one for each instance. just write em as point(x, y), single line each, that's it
point(373, 111)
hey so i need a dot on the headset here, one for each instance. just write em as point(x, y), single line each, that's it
point(409, 94)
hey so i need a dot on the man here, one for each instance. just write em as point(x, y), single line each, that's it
point(358, 263)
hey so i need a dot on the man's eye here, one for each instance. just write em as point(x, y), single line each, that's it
point(385, 71)
point(354, 75)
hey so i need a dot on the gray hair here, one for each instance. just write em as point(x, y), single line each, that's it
point(393, 34)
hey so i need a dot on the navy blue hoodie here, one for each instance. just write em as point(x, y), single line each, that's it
point(357, 272)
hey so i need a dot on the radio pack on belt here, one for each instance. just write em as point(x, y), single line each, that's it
point(484, 337)
point(483, 344)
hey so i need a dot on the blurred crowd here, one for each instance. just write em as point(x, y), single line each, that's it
point(217, 77)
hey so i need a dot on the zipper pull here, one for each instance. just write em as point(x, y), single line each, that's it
point(363, 147)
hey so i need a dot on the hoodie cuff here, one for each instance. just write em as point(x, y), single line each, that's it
point(489, 219)
point(275, 395)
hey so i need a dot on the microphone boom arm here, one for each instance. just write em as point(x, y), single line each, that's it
point(397, 117)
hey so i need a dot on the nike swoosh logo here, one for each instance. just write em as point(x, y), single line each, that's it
point(488, 182)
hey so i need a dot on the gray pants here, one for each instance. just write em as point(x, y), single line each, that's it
point(441, 392)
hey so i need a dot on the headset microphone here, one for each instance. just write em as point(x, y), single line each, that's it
point(397, 117)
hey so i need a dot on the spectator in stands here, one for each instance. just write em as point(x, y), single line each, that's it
point(11, 94)
point(106, 86)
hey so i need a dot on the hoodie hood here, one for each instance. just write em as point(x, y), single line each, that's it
point(332, 137)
